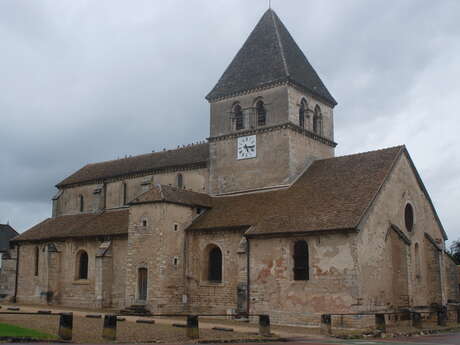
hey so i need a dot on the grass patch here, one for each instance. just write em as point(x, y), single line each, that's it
point(20, 332)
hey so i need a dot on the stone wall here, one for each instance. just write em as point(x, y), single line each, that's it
point(332, 286)
point(8, 274)
point(376, 250)
point(57, 280)
point(217, 297)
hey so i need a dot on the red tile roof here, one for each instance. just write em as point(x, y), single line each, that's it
point(162, 193)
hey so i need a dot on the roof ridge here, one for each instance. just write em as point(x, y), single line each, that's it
point(280, 43)
point(364, 153)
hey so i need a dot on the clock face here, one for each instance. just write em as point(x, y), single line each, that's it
point(247, 147)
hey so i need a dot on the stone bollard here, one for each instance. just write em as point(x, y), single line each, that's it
point(264, 325)
point(416, 319)
point(65, 326)
point(193, 330)
point(326, 324)
point(380, 323)
point(109, 331)
point(442, 316)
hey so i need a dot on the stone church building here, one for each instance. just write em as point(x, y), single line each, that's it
point(260, 218)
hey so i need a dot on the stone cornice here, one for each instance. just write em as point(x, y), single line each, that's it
point(286, 125)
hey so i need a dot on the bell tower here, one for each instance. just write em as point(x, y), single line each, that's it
point(271, 115)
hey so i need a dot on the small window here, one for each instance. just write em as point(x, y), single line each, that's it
point(199, 210)
point(175, 261)
point(409, 217)
point(301, 270)
point(176, 227)
point(81, 202)
point(179, 181)
point(318, 121)
point(125, 193)
point(261, 114)
point(303, 112)
point(238, 116)
point(144, 222)
point(36, 260)
point(215, 265)
point(82, 272)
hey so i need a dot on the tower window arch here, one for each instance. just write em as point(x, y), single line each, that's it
point(180, 181)
point(261, 113)
point(238, 117)
point(301, 268)
point(318, 121)
point(82, 265)
point(303, 112)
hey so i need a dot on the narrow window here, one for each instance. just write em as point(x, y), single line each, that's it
point(238, 116)
point(82, 265)
point(81, 202)
point(417, 261)
point(37, 256)
point(142, 276)
point(176, 227)
point(215, 265)
point(318, 121)
point(180, 181)
point(144, 222)
point(125, 193)
point(302, 112)
point(409, 217)
point(175, 261)
point(261, 114)
point(301, 271)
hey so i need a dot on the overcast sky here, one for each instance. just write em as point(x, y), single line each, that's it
point(85, 81)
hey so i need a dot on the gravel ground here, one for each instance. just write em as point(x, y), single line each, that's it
point(86, 330)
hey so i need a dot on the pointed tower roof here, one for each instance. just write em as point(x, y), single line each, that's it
point(269, 56)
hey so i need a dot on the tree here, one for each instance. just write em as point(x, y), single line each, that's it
point(455, 250)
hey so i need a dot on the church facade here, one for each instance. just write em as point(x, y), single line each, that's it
point(260, 218)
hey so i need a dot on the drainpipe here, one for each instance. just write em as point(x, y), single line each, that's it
point(248, 272)
point(17, 274)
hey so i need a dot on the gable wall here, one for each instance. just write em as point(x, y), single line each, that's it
point(378, 246)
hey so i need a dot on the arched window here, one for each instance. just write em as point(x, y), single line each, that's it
point(303, 112)
point(238, 116)
point(36, 258)
point(82, 268)
point(261, 113)
point(180, 181)
point(301, 271)
point(318, 121)
point(81, 203)
point(215, 265)
point(409, 217)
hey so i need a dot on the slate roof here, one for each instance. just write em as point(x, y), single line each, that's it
point(6, 234)
point(268, 56)
point(183, 157)
point(78, 226)
point(333, 194)
point(162, 193)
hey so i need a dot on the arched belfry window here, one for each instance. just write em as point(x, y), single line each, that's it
point(215, 265)
point(318, 121)
point(238, 117)
point(82, 265)
point(180, 181)
point(301, 269)
point(261, 113)
point(303, 112)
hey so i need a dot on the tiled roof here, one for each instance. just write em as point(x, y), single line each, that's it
point(333, 194)
point(270, 55)
point(6, 234)
point(161, 193)
point(183, 157)
point(79, 225)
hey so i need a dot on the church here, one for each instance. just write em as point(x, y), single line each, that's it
point(262, 217)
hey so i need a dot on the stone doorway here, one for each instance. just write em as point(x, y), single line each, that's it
point(142, 284)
